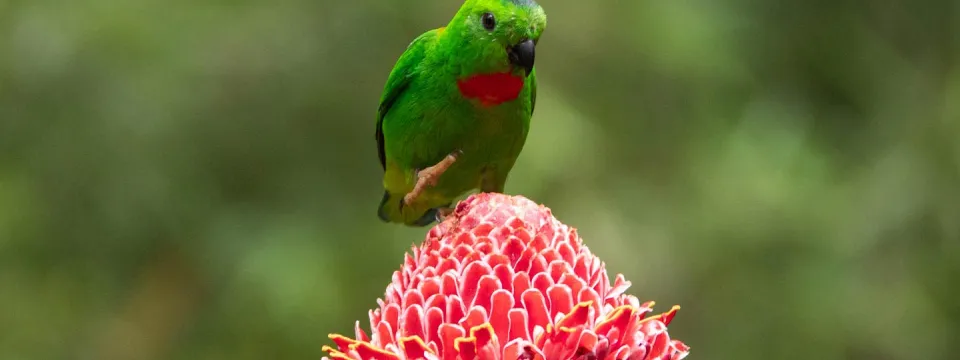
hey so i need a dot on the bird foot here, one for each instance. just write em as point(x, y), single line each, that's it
point(443, 212)
point(430, 176)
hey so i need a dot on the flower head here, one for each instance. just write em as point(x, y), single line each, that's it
point(501, 278)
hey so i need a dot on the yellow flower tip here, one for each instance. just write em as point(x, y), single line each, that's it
point(463, 340)
point(583, 304)
point(364, 347)
point(487, 328)
point(668, 316)
point(343, 342)
point(615, 314)
point(566, 330)
point(577, 315)
point(586, 303)
point(480, 335)
point(334, 353)
point(664, 317)
point(415, 339)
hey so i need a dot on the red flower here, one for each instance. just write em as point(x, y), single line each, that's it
point(501, 278)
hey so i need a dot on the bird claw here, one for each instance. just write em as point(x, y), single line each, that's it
point(430, 176)
point(443, 213)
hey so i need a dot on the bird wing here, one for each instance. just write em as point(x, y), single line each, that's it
point(400, 78)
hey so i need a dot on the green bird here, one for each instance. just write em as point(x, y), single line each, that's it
point(456, 108)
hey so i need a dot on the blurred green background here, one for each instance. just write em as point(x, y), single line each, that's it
point(198, 179)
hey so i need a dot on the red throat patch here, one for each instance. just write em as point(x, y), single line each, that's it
point(491, 89)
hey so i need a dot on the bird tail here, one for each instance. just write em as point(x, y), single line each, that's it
point(393, 210)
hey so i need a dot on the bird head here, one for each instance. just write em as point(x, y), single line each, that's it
point(498, 35)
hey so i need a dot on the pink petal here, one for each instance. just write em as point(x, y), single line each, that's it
point(448, 335)
point(619, 286)
point(488, 284)
point(659, 345)
point(542, 282)
point(573, 239)
point(680, 349)
point(476, 316)
point(463, 239)
point(359, 333)
point(521, 282)
point(429, 287)
point(513, 349)
point(524, 235)
point(469, 222)
point(367, 351)
point(519, 324)
point(621, 353)
point(588, 294)
point(391, 314)
point(560, 298)
point(411, 298)
point(588, 340)
point(408, 262)
point(667, 317)
point(474, 257)
point(501, 303)
point(432, 327)
point(505, 274)
point(538, 265)
point(413, 348)
point(461, 251)
point(618, 321)
point(482, 229)
point(455, 309)
point(448, 284)
point(412, 322)
point(385, 333)
point(436, 301)
point(448, 264)
point(602, 349)
point(497, 260)
point(550, 255)
point(557, 268)
point(536, 307)
point(540, 241)
point(483, 247)
point(571, 281)
point(580, 267)
point(470, 280)
point(526, 257)
point(516, 224)
point(487, 343)
point(566, 252)
point(466, 348)
point(581, 315)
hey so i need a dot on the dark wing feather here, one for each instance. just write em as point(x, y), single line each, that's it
point(381, 113)
point(533, 91)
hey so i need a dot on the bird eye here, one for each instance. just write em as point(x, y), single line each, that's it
point(489, 22)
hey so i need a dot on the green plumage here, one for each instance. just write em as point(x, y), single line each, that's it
point(428, 111)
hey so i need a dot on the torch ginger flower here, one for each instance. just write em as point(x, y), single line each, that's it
point(501, 278)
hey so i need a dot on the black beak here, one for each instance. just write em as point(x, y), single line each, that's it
point(522, 55)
